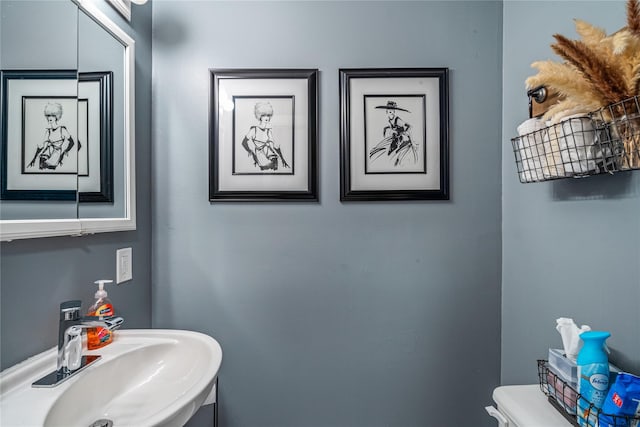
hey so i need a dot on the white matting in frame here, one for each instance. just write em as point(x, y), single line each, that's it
point(421, 180)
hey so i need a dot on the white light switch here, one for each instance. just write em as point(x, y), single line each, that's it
point(124, 265)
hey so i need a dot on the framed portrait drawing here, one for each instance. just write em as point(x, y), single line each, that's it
point(394, 134)
point(263, 135)
point(57, 139)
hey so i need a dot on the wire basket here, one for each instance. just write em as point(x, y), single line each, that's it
point(576, 147)
point(567, 401)
point(603, 141)
point(622, 120)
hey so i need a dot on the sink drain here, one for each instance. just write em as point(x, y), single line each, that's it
point(102, 423)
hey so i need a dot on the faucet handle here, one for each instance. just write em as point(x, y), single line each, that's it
point(70, 310)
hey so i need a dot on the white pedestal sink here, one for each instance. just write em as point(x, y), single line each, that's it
point(146, 377)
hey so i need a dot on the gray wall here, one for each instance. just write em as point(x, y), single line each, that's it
point(36, 275)
point(330, 314)
point(571, 248)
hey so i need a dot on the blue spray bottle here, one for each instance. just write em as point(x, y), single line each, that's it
point(593, 376)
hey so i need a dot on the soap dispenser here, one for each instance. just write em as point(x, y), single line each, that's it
point(102, 307)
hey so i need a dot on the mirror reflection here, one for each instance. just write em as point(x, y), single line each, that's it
point(38, 57)
point(67, 125)
point(101, 71)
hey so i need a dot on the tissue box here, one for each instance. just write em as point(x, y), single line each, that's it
point(563, 380)
point(564, 394)
point(565, 368)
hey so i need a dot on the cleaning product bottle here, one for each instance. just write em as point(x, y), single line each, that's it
point(99, 337)
point(593, 376)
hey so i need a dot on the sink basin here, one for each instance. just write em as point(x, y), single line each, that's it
point(145, 377)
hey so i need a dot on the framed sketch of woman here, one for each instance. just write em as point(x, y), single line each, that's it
point(56, 144)
point(263, 135)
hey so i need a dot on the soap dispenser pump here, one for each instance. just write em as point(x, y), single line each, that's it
point(102, 307)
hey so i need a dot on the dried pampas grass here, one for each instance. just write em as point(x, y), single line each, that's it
point(588, 33)
point(559, 76)
point(604, 80)
point(598, 69)
point(566, 108)
point(633, 16)
point(577, 94)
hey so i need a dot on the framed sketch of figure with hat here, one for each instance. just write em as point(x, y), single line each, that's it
point(394, 134)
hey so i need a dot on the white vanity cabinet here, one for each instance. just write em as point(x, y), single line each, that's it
point(524, 406)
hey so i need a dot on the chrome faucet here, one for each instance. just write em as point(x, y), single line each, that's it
point(70, 360)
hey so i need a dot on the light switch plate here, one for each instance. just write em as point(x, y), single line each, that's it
point(124, 265)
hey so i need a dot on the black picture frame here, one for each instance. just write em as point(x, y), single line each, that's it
point(24, 93)
point(263, 135)
point(103, 80)
point(394, 134)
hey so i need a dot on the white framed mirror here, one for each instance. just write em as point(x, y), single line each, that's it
point(78, 215)
point(124, 6)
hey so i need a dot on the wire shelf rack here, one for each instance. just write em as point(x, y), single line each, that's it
point(622, 121)
point(604, 141)
point(567, 401)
